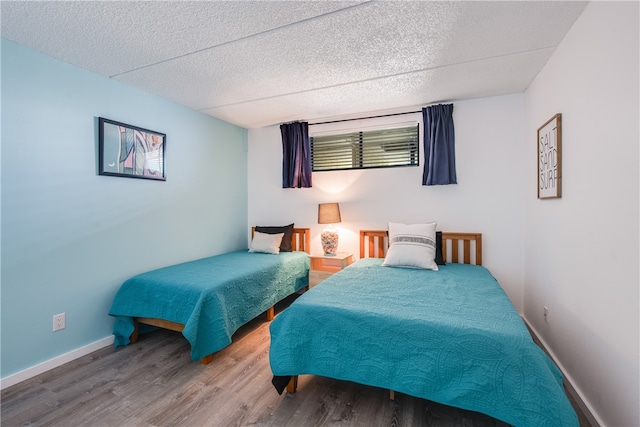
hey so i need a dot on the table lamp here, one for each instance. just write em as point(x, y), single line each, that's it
point(329, 213)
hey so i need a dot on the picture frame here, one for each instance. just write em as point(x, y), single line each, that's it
point(550, 158)
point(130, 151)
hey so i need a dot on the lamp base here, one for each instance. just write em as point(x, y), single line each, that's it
point(329, 239)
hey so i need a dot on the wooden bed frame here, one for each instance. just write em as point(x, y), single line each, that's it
point(455, 247)
point(300, 241)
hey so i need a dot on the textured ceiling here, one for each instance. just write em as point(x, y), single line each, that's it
point(258, 63)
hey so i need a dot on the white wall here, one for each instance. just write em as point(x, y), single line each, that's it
point(488, 197)
point(581, 251)
point(69, 236)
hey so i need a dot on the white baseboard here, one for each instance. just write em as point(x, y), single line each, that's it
point(575, 393)
point(18, 377)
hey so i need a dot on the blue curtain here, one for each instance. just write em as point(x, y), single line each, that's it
point(439, 145)
point(296, 155)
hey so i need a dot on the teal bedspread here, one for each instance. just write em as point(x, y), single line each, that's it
point(450, 336)
point(212, 297)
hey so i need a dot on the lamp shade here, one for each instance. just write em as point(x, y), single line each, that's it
point(328, 213)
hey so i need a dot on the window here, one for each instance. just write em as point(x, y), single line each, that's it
point(366, 149)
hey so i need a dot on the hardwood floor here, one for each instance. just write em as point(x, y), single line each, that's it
point(155, 383)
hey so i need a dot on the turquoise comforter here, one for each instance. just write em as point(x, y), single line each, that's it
point(212, 297)
point(450, 336)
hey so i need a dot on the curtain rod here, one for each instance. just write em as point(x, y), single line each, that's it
point(363, 118)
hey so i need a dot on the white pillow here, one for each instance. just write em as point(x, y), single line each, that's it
point(267, 243)
point(412, 246)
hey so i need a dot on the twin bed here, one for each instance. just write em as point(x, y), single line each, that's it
point(450, 336)
point(209, 299)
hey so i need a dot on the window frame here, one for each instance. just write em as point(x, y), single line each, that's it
point(361, 128)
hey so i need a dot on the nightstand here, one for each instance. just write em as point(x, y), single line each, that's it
point(323, 266)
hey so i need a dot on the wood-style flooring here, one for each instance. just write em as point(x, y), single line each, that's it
point(155, 383)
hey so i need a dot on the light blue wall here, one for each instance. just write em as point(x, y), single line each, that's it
point(69, 236)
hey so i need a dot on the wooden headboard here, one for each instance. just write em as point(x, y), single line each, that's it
point(456, 247)
point(300, 241)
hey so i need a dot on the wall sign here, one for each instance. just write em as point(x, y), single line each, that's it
point(550, 158)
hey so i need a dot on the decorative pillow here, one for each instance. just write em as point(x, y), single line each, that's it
point(285, 245)
point(267, 243)
point(412, 246)
point(439, 256)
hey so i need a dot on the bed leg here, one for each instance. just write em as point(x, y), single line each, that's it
point(136, 331)
point(271, 313)
point(207, 359)
point(293, 384)
point(392, 395)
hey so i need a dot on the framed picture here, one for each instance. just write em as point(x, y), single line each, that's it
point(550, 158)
point(130, 151)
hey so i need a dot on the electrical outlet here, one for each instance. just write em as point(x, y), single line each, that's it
point(546, 312)
point(58, 322)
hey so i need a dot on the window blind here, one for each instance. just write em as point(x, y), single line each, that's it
point(366, 149)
